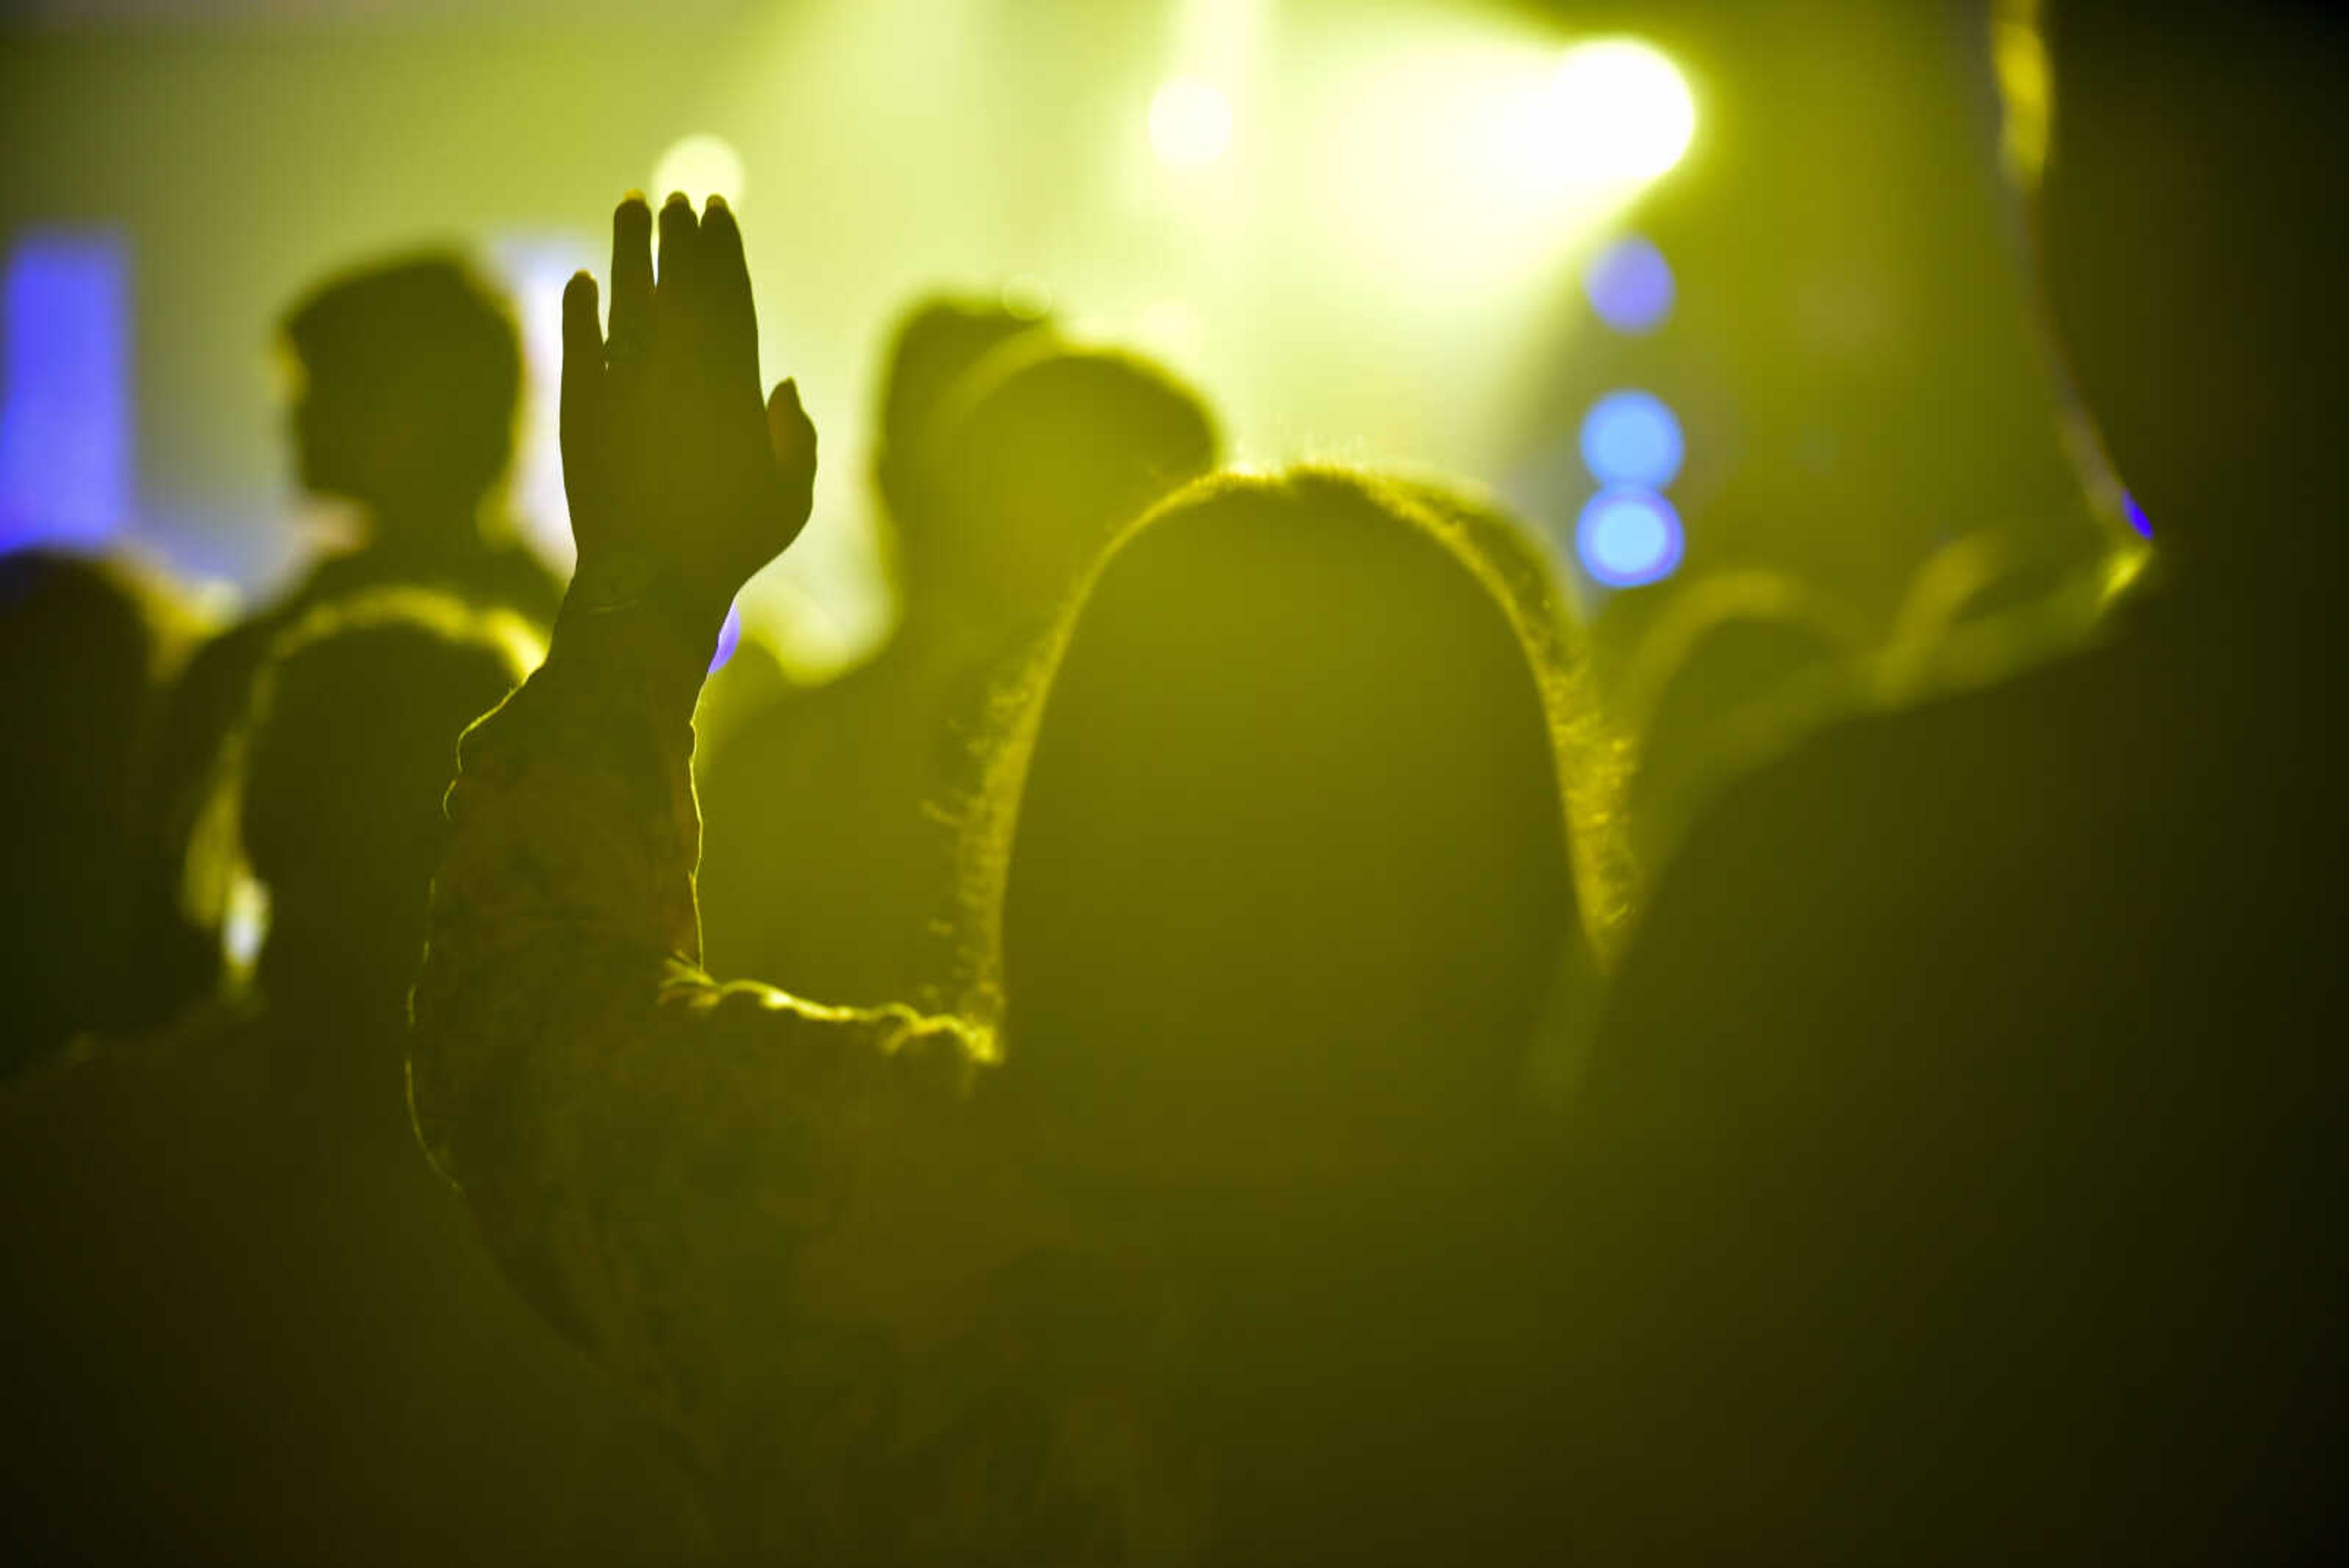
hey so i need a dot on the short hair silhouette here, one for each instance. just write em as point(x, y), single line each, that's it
point(933, 346)
point(1033, 461)
point(851, 793)
point(410, 379)
point(338, 776)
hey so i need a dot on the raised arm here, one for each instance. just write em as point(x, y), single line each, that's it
point(748, 1206)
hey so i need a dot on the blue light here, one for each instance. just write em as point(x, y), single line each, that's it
point(2136, 515)
point(1632, 438)
point(1630, 286)
point(1629, 537)
point(65, 388)
point(729, 637)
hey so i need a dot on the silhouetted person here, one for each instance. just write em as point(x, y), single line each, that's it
point(1289, 895)
point(932, 352)
point(1963, 1154)
point(1737, 667)
point(1007, 488)
point(245, 1321)
point(1287, 898)
point(408, 381)
point(407, 386)
point(88, 645)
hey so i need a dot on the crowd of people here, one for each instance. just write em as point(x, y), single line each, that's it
point(1269, 1060)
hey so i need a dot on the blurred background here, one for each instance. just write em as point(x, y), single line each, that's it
point(1700, 287)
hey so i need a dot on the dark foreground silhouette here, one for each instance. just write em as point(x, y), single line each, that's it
point(88, 646)
point(244, 1321)
point(1960, 1150)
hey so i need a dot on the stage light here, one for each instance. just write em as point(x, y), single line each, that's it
point(1617, 111)
point(2136, 515)
point(701, 167)
point(68, 463)
point(244, 923)
point(1631, 286)
point(729, 637)
point(1628, 537)
point(1632, 438)
point(1190, 123)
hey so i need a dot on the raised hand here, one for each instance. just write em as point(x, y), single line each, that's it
point(683, 481)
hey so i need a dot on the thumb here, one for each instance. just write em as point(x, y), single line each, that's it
point(791, 435)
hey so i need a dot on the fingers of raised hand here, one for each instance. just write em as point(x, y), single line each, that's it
point(729, 319)
point(632, 285)
point(583, 373)
point(677, 302)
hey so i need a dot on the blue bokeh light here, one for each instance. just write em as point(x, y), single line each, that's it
point(1630, 286)
point(729, 637)
point(1628, 537)
point(66, 459)
point(2136, 515)
point(1632, 438)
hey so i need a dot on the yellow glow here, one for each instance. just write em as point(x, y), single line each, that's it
point(1618, 112)
point(1170, 329)
point(2019, 54)
point(1190, 123)
point(244, 924)
point(701, 167)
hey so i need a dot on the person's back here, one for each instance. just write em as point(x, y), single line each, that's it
point(247, 1319)
point(850, 794)
point(1960, 1144)
point(1290, 894)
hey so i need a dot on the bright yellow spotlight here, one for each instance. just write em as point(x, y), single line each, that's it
point(1190, 123)
point(701, 167)
point(1617, 111)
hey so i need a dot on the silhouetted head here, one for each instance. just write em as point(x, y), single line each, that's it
point(409, 376)
point(1038, 456)
point(1288, 883)
point(935, 345)
point(2187, 217)
point(87, 645)
point(351, 745)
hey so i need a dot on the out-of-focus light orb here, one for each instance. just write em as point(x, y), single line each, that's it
point(1190, 123)
point(729, 637)
point(2136, 515)
point(1631, 286)
point(1617, 111)
point(1633, 438)
point(701, 167)
point(244, 923)
point(1628, 537)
